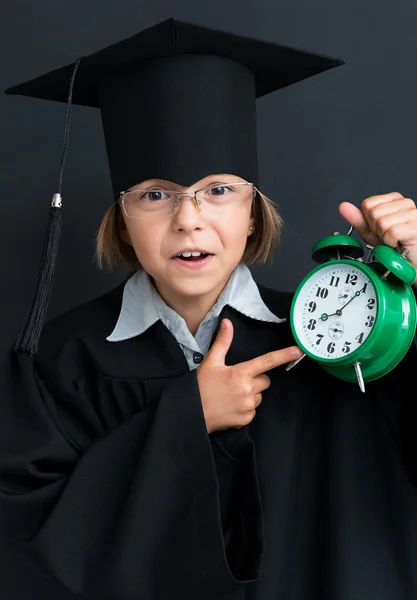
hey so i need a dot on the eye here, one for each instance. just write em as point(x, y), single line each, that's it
point(154, 195)
point(219, 190)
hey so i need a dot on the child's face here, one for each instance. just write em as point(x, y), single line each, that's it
point(158, 241)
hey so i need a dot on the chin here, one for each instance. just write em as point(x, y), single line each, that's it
point(194, 288)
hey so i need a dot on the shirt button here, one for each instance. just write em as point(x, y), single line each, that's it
point(197, 357)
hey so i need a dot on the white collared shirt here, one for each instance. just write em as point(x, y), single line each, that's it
point(142, 306)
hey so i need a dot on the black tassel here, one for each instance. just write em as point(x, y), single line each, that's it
point(28, 340)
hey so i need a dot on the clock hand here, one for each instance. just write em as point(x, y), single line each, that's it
point(357, 294)
point(339, 310)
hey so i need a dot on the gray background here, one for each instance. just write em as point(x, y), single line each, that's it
point(343, 135)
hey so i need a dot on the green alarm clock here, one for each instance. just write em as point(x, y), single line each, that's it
point(355, 317)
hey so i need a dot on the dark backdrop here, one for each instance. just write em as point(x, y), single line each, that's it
point(344, 135)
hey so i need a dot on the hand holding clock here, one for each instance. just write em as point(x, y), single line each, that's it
point(389, 219)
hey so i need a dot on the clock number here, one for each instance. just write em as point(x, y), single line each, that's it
point(360, 337)
point(369, 321)
point(352, 279)
point(346, 347)
point(330, 347)
point(363, 290)
point(311, 324)
point(320, 336)
point(322, 292)
point(371, 303)
point(312, 307)
point(334, 281)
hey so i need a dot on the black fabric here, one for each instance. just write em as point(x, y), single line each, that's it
point(110, 483)
point(178, 100)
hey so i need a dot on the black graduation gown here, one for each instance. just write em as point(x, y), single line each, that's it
point(111, 485)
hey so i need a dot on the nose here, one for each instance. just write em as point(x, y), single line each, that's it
point(188, 216)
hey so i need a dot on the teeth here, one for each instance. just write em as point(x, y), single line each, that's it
point(188, 254)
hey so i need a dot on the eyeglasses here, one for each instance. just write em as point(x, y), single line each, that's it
point(216, 200)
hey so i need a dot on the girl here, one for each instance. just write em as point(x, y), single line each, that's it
point(153, 446)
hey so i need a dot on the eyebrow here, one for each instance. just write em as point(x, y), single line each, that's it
point(148, 185)
point(161, 184)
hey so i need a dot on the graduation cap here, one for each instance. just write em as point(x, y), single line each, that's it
point(178, 102)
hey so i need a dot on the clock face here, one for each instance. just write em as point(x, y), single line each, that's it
point(335, 311)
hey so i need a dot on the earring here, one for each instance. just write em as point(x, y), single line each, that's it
point(251, 228)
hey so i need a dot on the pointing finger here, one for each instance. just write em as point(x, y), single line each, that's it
point(269, 361)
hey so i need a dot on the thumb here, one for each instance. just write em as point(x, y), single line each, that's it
point(354, 216)
point(221, 344)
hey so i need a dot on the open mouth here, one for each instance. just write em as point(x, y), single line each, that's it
point(196, 258)
point(192, 256)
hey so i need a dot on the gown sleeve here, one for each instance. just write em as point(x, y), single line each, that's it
point(151, 508)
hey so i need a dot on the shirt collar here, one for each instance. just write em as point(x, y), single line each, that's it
point(244, 296)
point(142, 306)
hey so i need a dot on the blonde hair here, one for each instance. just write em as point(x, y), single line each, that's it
point(112, 249)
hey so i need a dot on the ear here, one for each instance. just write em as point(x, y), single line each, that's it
point(126, 237)
point(251, 227)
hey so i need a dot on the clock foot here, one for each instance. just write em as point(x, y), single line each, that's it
point(359, 376)
point(294, 362)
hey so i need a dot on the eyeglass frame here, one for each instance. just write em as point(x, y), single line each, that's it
point(181, 195)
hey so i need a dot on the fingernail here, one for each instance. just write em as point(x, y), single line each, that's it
point(298, 352)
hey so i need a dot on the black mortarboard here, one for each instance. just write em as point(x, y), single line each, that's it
point(177, 102)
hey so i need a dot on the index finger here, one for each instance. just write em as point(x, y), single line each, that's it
point(270, 360)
